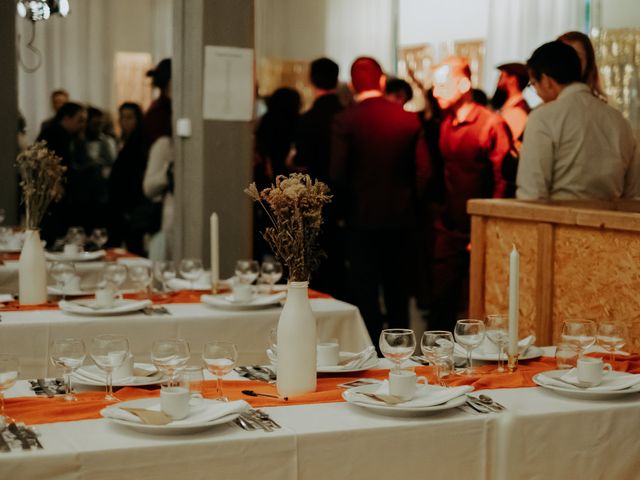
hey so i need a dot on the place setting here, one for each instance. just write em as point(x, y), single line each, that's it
point(75, 243)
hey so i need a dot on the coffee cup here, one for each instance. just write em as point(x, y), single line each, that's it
point(242, 293)
point(125, 370)
point(71, 249)
point(591, 370)
point(72, 284)
point(105, 298)
point(328, 352)
point(174, 401)
point(404, 383)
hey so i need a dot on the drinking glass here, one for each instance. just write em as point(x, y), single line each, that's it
point(469, 333)
point(76, 236)
point(397, 344)
point(581, 333)
point(437, 347)
point(611, 336)
point(68, 354)
point(5, 234)
point(170, 355)
point(62, 273)
point(271, 271)
point(566, 356)
point(191, 269)
point(141, 275)
point(9, 369)
point(497, 331)
point(193, 378)
point(109, 352)
point(247, 271)
point(115, 274)
point(220, 358)
point(164, 271)
point(99, 237)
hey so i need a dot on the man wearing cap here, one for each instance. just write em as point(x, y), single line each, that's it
point(508, 99)
point(157, 119)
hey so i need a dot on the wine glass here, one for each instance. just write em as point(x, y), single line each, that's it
point(99, 237)
point(437, 347)
point(497, 331)
point(191, 269)
point(68, 354)
point(9, 369)
point(170, 355)
point(141, 275)
point(581, 333)
point(397, 344)
point(220, 358)
point(63, 273)
point(115, 274)
point(611, 336)
point(109, 352)
point(247, 271)
point(164, 271)
point(272, 272)
point(469, 333)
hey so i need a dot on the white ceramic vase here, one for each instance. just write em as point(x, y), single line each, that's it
point(296, 343)
point(32, 270)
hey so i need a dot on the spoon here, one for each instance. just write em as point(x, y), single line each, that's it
point(490, 401)
point(251, 393)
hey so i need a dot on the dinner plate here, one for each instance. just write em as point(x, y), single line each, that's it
point(226, 302)
point(583, 393)
point(87, 307)
point(351, 396)
point(529, 354)
point(76, 257)
point(200, 285)
point(133, 381)
point(371, 363)
point(168, 429)
point(53, 290)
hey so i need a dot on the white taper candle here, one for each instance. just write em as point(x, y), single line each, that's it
point(514, 275)
point(215, 251)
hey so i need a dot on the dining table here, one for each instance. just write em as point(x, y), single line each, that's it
point(539, 435)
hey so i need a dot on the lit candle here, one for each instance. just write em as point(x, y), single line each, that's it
point(215, 251)
point(514, 274)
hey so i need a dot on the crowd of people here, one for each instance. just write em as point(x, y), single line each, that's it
point(398, 225)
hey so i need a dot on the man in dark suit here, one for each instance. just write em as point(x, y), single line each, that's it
point(379, 161)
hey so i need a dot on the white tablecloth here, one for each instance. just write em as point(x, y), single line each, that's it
point(29, 334)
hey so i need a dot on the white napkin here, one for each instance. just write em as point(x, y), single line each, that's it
point(203, 282)
point(610, 383)
point(5, 297)
point(99, 376)
point(523, 345)
point(426, 395)
point(198, 415)
point(362, 358)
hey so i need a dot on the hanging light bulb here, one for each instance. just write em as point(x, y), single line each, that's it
point(22, 9)
point(40, 10)
point(63, 8)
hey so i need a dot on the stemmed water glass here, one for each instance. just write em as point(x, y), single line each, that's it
point(247, 271)
point(164, 271)
point(68, 354)
point(109, 352)
point(271, 271)
point(397, 344)
point(497, 331)
point(9, 369)
point(115, 274)
point(220, 358)
point(581, 333)
point(170, 355)
point(99, 237)
point(62, 273)
point(469, 333)
point(191, 269)
point(437, 347)
point(611, 336)
point(141, 275)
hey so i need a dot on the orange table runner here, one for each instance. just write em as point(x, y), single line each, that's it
point(51, 410)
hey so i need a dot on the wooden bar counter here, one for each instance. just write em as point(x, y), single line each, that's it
point(578, 259)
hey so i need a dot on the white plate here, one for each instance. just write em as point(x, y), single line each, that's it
point(168, 429)
point(76, 257)
point(531, 353)
point(351, 396)
point(86, 307)
point(583, 393)
point(154, 379)
point(225, 301)
point(52, 290)
point(372, 363)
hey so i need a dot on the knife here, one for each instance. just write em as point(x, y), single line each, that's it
point(42, 383)
point(13, 428)
point(31, 435)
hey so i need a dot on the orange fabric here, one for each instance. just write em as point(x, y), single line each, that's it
point(51, 410)
point(14, 306)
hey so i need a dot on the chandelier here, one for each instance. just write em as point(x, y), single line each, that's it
point(41, 10)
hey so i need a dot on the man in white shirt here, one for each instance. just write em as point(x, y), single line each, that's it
point(575, 145)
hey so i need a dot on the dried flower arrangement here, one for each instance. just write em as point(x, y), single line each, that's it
point(42, 176)
point(294, 207)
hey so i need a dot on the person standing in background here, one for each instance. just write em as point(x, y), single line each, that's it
point(157, 119)
point(508, 99)
point(589, 72)
point(58, 99)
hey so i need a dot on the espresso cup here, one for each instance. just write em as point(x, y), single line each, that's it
point(328, 352)
point(404, 383)
point(71, 249)
point(72, 284)
point(591, 370)
point(105, 298)
point(242, 293)
point(174, 401)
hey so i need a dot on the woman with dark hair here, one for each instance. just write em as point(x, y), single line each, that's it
point(584, 48)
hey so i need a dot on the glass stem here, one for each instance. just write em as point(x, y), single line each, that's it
point(469, 350)
point(219, 387)
point(1, 404)
point(109, 384)
point(67, 382)
point(500, 357)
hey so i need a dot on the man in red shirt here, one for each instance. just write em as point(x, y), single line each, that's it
point(474, 141)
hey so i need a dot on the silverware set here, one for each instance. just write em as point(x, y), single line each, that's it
point(157, 310)
point(257, 372)
point(256, 419)
point(49, 388)
point(18, 435)
point(483, 404)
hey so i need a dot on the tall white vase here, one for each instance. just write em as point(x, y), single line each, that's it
point(32, 270)
point(296, 343)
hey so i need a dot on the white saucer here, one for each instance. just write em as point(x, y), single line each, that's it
point(226, 302)
point(76, 257)
point(134, 381)
point(583, 393)
point(57, 291)
point(87, 307)
point(529, 354)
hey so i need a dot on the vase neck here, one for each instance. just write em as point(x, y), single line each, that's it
point(297, 285)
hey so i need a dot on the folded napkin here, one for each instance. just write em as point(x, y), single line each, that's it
point(610, 383)
point(202, 283)
point(199, 414)
point(360, 359)
point(6, 297)
point(426, 395)
point(144, 370)
point(523, 345)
